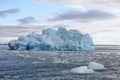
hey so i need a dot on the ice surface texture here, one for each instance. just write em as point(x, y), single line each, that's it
point(54, 40)
point(82, 70)
point(96, 66)
point(92, 66)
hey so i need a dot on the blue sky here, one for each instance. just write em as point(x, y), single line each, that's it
point(29, 8)
point(99, 18)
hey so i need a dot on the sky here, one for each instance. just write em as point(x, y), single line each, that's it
point(99, 18)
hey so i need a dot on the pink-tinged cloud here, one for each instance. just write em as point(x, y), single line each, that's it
point(4, 13)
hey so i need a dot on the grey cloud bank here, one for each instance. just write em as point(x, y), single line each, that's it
point(26, 20)
point(83, 16)
point(4, 13)
point(54, 40)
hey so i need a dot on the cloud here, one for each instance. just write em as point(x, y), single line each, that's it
point(79, 2)
point(26, 20)
point(64, 1)
point(83, 16)
point(4, 13)
point(111, 4)
point(95, 29)
point(15, 30)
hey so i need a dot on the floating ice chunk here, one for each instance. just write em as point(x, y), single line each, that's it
point(57, 60)
point(96, 66)
point(82, 70)
point(13, 44)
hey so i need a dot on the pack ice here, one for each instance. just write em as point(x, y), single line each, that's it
point(52, 39)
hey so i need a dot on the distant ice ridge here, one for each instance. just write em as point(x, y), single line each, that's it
point(52, 39)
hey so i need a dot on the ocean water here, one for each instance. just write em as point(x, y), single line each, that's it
point(55, 65)
point(4, 47)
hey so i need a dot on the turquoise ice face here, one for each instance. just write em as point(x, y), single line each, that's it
point(51, 39)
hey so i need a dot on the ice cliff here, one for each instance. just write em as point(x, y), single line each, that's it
point(52, 39)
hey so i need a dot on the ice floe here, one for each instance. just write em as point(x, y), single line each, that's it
point(96, 66)
point(82, 70)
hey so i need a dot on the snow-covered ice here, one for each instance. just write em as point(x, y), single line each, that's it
point(52, 39)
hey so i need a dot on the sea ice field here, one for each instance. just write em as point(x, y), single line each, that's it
point(56, 65)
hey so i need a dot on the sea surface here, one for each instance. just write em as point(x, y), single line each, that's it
point(56, 65)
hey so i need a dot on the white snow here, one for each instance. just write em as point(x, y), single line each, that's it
point(82, 70)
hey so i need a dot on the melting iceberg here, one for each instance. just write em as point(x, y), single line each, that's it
point(52, 39)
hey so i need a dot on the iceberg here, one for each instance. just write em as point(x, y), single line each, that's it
point(59, 39)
